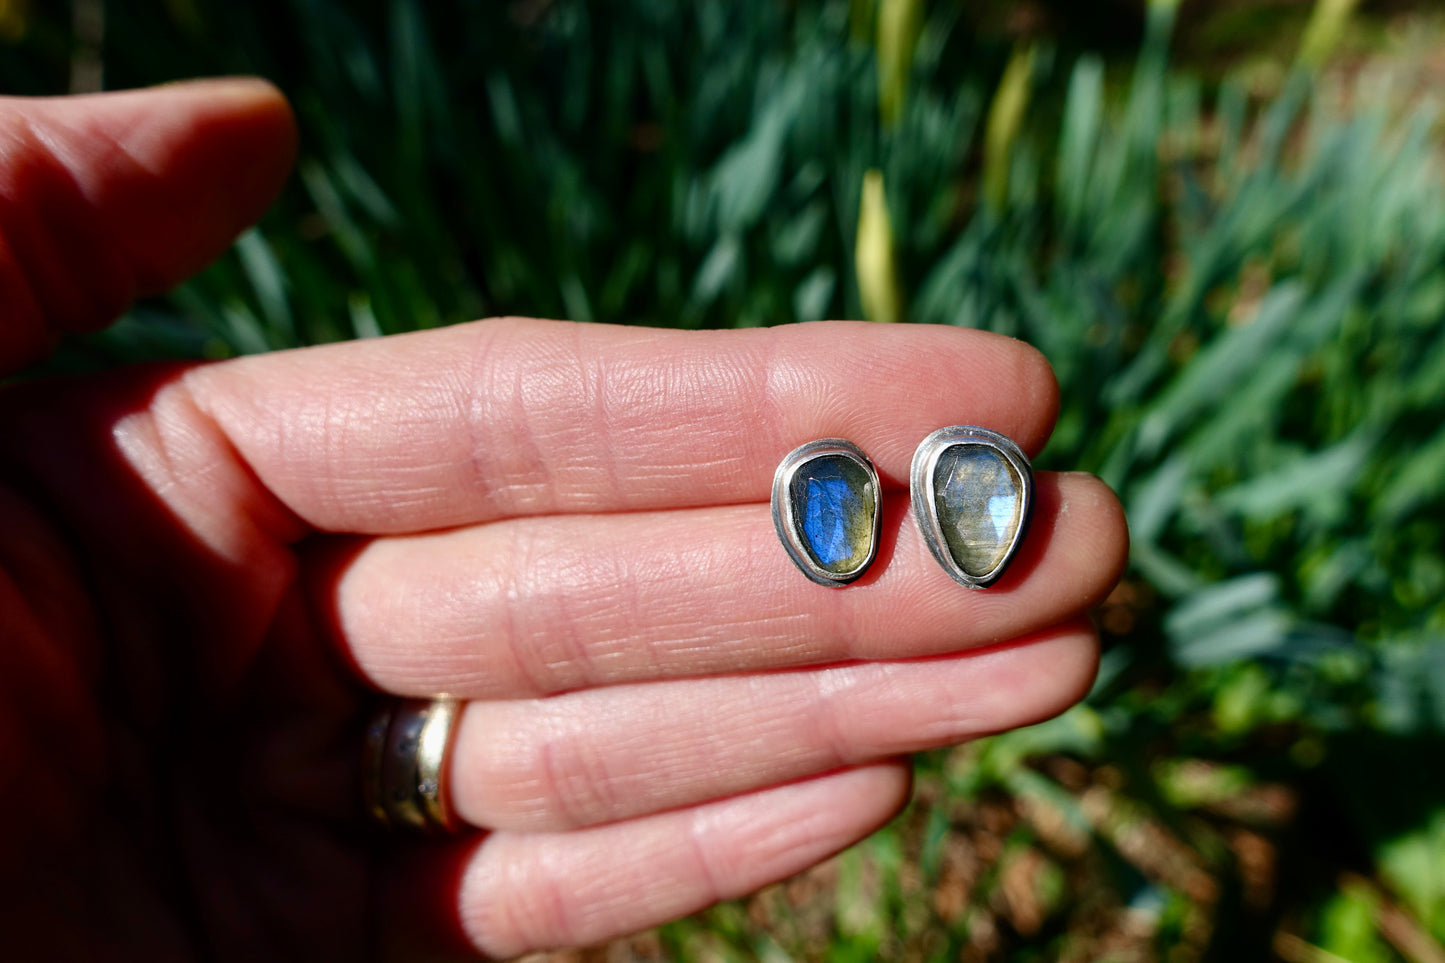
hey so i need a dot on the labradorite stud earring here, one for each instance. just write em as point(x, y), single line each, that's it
point(825, 509)
point(973, 492)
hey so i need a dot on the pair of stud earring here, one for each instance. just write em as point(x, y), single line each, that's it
point(972, 492)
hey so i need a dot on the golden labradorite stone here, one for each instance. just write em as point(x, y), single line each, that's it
point(833, 505)
point(979, 495)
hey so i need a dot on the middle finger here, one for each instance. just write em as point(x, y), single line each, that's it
point(531, 607)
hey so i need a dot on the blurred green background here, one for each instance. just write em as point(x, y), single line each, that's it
point(1224, 223)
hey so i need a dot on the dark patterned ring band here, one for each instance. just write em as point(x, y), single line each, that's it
point(406, 761)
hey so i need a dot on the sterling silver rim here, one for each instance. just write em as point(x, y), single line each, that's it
point(925, 502)
point(786, 523)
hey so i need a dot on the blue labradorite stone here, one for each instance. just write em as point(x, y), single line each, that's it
point(833, 508)
point(978, 494)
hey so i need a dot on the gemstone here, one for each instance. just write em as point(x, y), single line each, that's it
point(978, 494)
point(833, 506)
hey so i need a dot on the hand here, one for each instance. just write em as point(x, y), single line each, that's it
point(205, 569)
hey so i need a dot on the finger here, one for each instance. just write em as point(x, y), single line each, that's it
point(512, 417)
point(607, 754)
point(107, 197)
point(518, 892)
point(540, 606)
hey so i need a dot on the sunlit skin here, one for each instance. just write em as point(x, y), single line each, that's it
point(207, 571)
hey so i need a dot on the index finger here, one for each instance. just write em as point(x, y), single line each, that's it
point(516, 417)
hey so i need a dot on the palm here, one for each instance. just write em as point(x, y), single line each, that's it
point(191, 737)
point(210, 567)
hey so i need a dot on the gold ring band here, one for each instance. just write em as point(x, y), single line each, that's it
point(405, 762)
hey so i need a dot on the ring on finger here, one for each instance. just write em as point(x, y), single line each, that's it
point(406, 764)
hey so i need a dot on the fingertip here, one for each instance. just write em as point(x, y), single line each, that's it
point(770, 834)
point(248, 113)
point(1017, 683)
point(1073, 655)
point(1087, 494)
point(523, 892)
point(894, 779)
point(878, 792)
point(146, 121)
point(110, 196)
point(222, 148)
point(895, 786)
point(1042, 384)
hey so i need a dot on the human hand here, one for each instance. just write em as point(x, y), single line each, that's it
point(204, 570)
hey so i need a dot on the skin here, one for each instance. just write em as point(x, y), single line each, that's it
point(208, 572)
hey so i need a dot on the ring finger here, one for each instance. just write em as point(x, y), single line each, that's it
point(613, 753)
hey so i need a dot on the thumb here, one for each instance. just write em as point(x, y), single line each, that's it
point(109, 197)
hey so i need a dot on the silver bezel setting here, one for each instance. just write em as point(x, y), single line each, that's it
point(786, 524)
point(925, 502)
